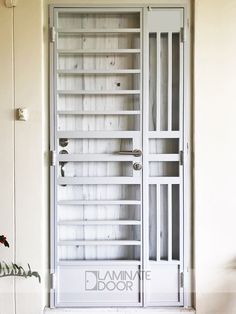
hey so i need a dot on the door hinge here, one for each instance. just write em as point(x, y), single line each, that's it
point(52, 290)
point(53, 281)
point(139, 297)
point(182, 35)
point(181, 279)
point(181, 158)
point(52, 34)
point(52, 158)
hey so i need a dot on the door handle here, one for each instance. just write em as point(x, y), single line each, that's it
point(135, 152)
point(62, 164)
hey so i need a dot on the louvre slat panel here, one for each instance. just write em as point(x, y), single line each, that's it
point(96, 30)
point(103, 262)
point(98, 51)
point(100, 134)
point(115, 113)
point(98, 104)
point(120, 71)
point(100, 157)
point(97, 92)
point(99, 242)
point(103, 202)
point(99, 222)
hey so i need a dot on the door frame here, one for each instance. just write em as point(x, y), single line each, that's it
point(187, 129)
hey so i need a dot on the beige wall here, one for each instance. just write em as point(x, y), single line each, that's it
point(23, 201)
point(7, 151)
point(215, 155)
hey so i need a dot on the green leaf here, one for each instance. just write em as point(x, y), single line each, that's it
point(7, 268)
point(36, 275)
point(16, 270)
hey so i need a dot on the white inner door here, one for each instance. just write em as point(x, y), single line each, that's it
point(116, 173)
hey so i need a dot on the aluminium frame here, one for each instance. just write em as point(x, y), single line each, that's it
point(187, 149)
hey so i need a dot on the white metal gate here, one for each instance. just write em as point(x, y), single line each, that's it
point(117, 152)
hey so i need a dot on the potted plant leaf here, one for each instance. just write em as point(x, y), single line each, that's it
point(12, 269)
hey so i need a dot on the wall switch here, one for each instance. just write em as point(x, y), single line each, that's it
point(10, 3)
point(22, 114)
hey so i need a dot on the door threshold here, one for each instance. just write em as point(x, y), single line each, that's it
point(116, 310)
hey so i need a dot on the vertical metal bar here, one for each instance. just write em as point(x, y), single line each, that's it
point(182, 168)
point(52, 143)
point(53, 147)
point(169, 222)
point(141, 100)
point(56, 233)
point(169, 81)
point(181, 143)
point(85, 143)
point(187, 173)
point(158, 225)
point(145, 190)
point(158, 81)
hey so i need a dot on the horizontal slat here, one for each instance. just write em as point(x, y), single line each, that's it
point(98, 262)
point(87, 9)
point(104, 10)
point(98, 242)
point(97, 30)
point(97, 92)
point(95, 113)
point(164, 134)
point(163, 157)
point(98, 134)
point(164, 180)
point(102, 306)
point(162, 262)
point(121, 71)
point(98, 180)
point(98, 51)
point(96, 157)
point(98, 222)
point(99, 202)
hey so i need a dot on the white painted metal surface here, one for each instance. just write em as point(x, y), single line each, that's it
point(163, 220)
point(122, 311)
point(106, 216)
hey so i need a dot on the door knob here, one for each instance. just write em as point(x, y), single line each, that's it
point(135, 152)
point(137, 166)
point(63, 142)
